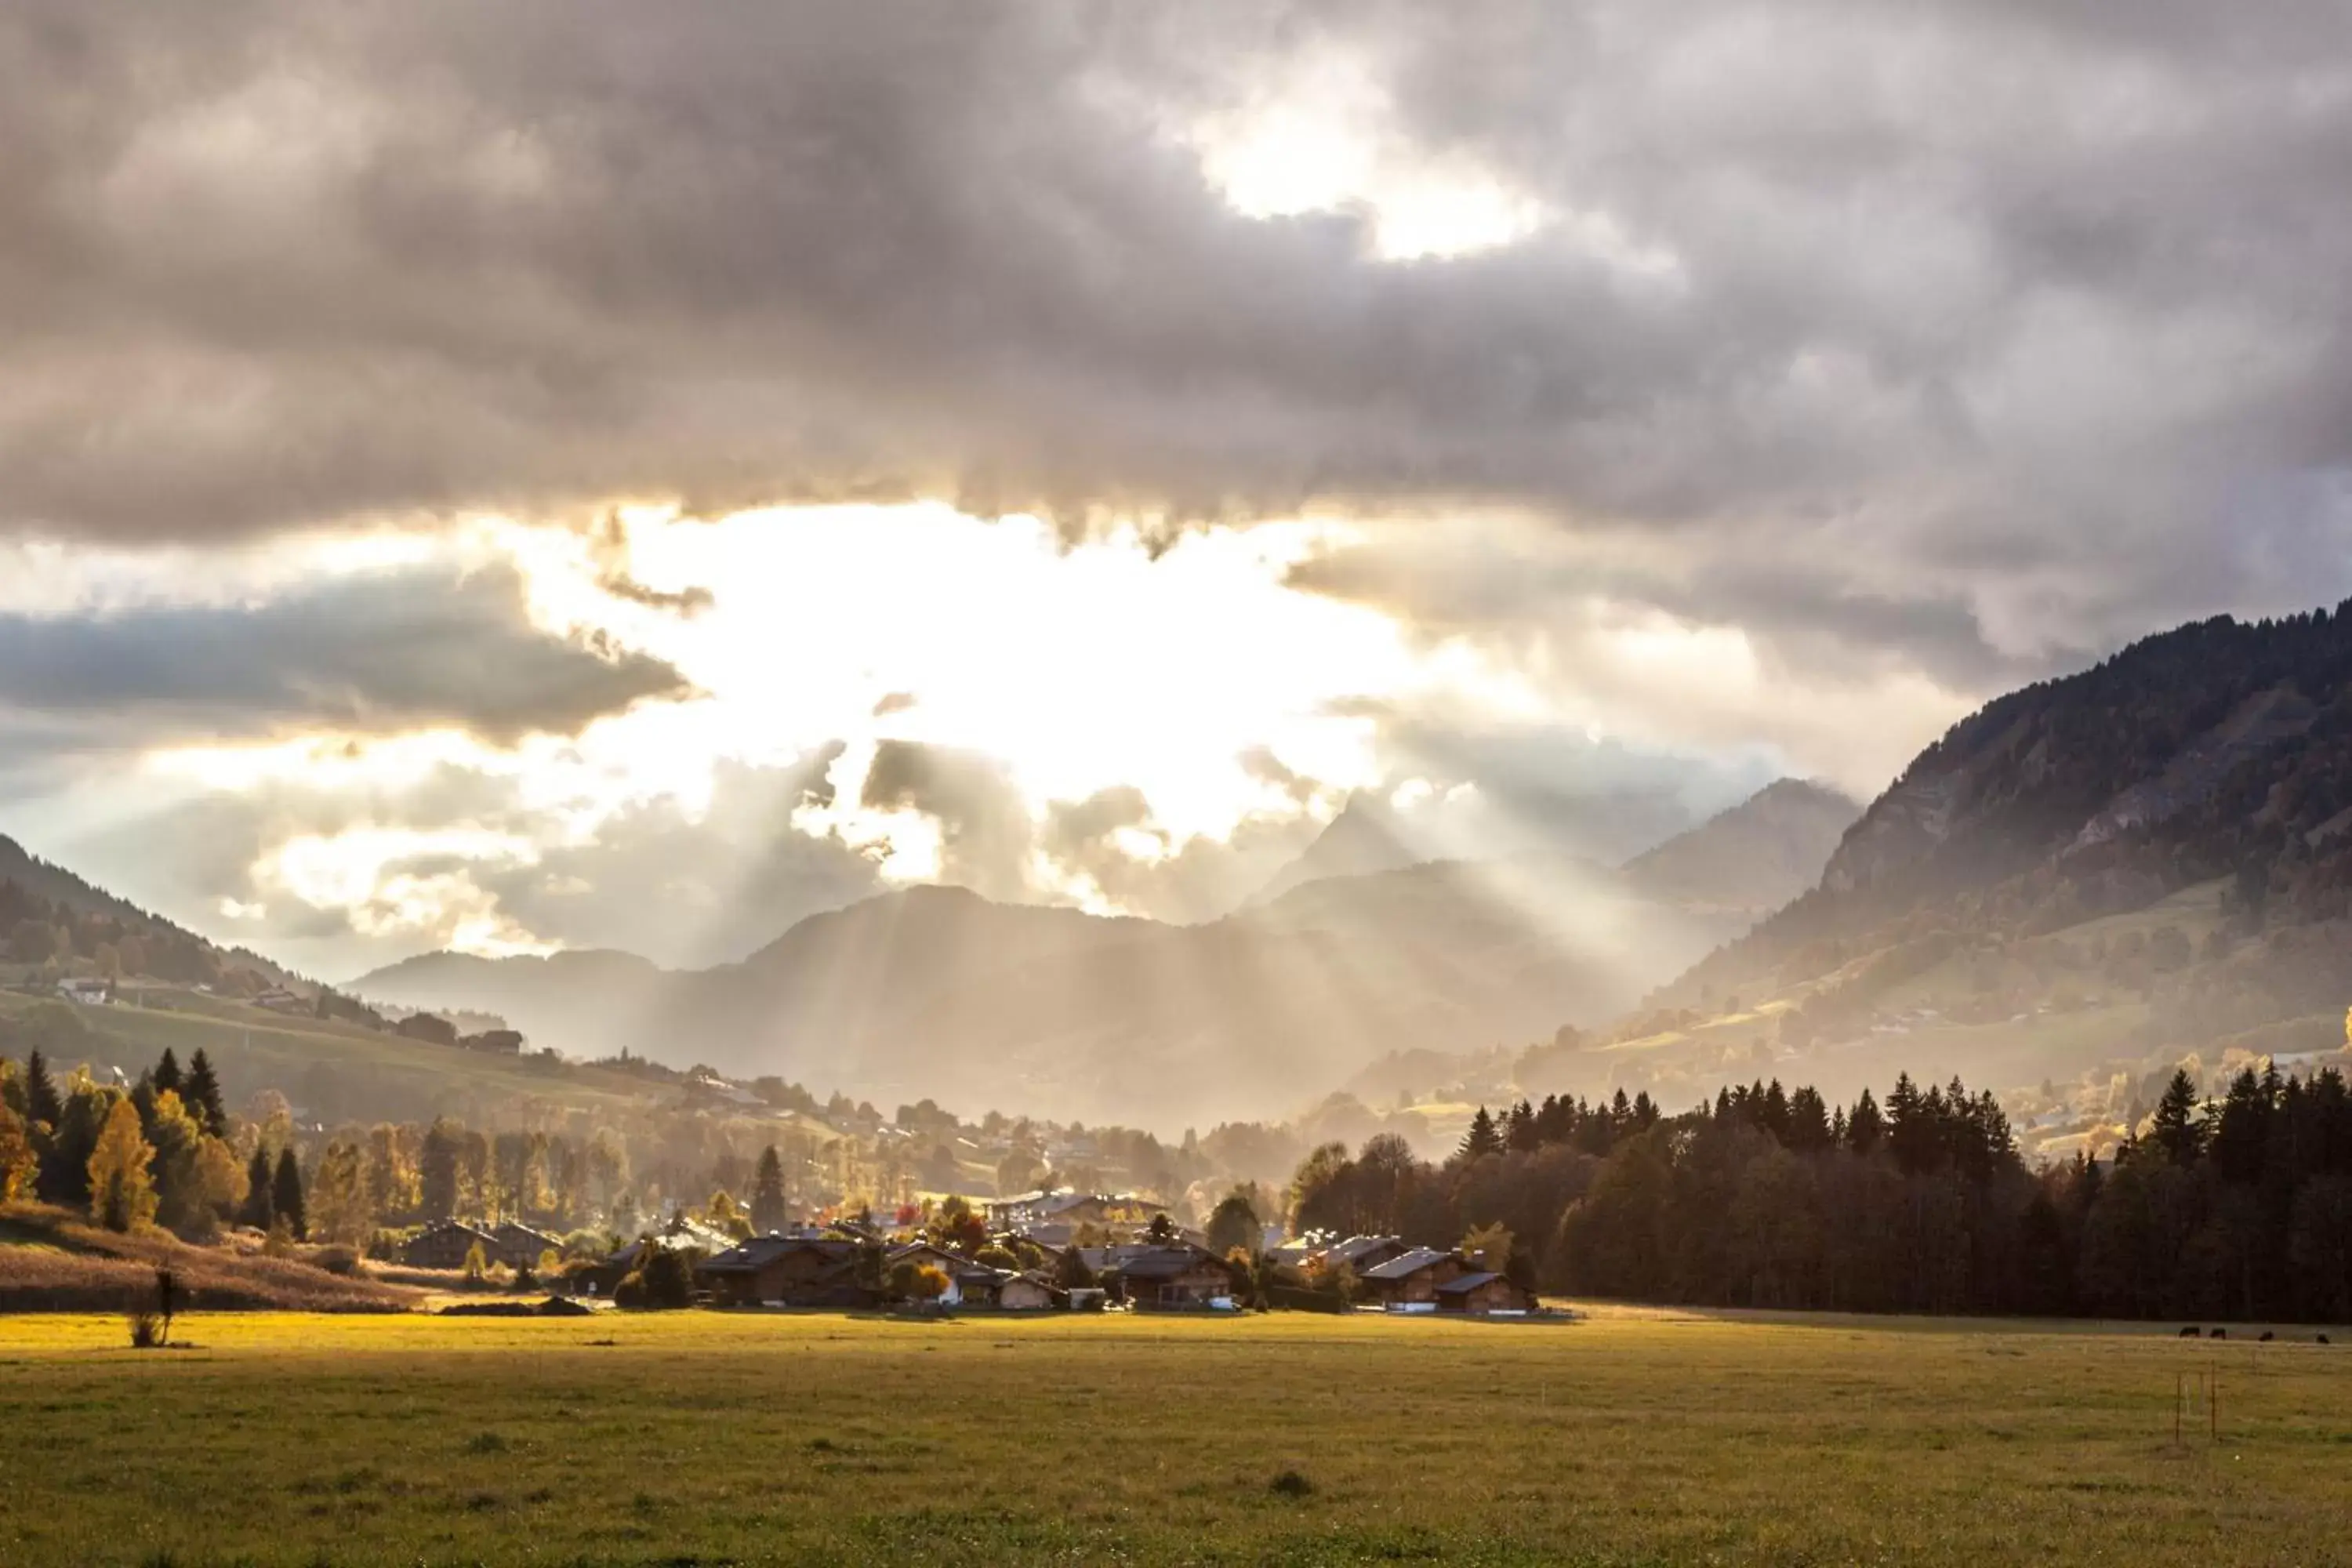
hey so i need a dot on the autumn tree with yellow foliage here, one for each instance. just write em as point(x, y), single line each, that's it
point(122, 1193)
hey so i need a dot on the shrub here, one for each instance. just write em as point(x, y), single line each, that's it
point(280, 1241)
point(146, 1327)
point(1290, 1483)
point(668, 1279)
point(342, 1262)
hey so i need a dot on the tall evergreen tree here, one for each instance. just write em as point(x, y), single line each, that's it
point(202, 1095)
point(1483, 1139)
point(2175, 1129)
point(1865, 1128)
point(41, 1091)
point(769, 1210)
point(166, 1077)
point(436, 1171)
point(259, 1208)
point(285, 1193)
point(1913, 1135)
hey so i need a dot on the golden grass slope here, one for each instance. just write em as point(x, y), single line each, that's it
point(52, 1260)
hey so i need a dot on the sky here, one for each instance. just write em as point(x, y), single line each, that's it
point(556, 476)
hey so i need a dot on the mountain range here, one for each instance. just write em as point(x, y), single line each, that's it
point(2085, 880)
point(936, 992)
point(2082, 884)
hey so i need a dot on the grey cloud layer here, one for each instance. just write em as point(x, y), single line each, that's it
point(371, 653)
point(2033, 314)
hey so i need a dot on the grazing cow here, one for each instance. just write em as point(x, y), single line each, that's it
point(2268, 1336)
point(2190, 1332)
point(2219, 1334)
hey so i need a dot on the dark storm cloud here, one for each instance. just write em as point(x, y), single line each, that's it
point(2036, 310)
point(374, 653)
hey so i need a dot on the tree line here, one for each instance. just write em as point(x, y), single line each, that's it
point(2235, 1208)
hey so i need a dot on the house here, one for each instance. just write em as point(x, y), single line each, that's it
point(1174, 1277)
point(1478, 1294)
point(1063, 1206)
point(448, 1245)
point(92, 992)
point(1412, 1279)
point(960, 1270)
point(1364, 1253)
point(1359, 1253)
point(788, 1271)
point(1031, 1292)
point(519, 1246)
point(681, 1234)
point(497, 1042)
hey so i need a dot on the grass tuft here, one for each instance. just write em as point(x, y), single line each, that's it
point(1290, 1483)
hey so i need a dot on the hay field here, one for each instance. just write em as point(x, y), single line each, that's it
point(1633, 1436)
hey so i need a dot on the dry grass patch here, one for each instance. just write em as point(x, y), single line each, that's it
point(52, 1260)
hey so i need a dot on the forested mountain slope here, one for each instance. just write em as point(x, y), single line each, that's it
point(2088, 878)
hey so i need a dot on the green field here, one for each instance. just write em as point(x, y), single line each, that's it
point(706, 1438)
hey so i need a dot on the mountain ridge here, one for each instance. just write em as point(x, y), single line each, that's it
point(938, 991)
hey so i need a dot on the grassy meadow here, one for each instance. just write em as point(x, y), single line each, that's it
point(1632, 1436)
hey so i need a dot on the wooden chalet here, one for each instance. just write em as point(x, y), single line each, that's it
point(788, 1271)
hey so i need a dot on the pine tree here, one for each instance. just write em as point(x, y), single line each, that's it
point(258, 1210)
point(1522, 1127)
point(1482, 1139)
point(1913, 1129)
point(166, 1077)
point(770, 1211)
point(122, 1193)
point(202, 1095)
point(2176, 1130)
point(41, 1092)
point(1865, 1128)
point(285, 1193)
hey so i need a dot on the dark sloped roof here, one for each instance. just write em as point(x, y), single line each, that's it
point(1465, 1283)
point(748, 1257)
point(1406, 1264)
point(1165, 1261)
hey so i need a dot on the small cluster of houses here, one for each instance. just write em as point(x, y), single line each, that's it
point(1402, 1278)
point(448, 1243)
point(849, 1264)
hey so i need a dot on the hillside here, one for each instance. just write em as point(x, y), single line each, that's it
point(936, 992)
point(1755, 858)
point(33, 889)
point(2087, 880)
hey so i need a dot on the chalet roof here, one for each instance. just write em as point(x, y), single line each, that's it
point(751, 1256)
point(1164, 1262)
point(1462, 1285)
point(1404, 1266)
point(1357, 1246)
